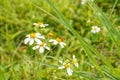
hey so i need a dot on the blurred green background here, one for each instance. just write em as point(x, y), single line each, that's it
point(20, 62)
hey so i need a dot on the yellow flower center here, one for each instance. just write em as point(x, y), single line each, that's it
point(67, 65)
point(75, 61)
point(32, 35)
point(59, 39)
point(94, 28)
point(42, 44)
point(50, 34)
point(40, 23)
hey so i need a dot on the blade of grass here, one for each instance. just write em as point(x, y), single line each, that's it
point(113, 8)
point(87, 48)
point(47, 12)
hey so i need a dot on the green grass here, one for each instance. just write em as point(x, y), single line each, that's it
point(98, 54)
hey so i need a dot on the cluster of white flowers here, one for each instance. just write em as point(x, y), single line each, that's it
point(95, 29)
point(37, 38)
point(41, 24)
point(67, 65)
point(38, 42)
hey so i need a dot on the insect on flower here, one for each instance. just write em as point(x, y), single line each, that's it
point(66, 65)
point(57, 41)
point(42, 46)
point(75, 62)
point(32, 37)
point(41, 24)
point(95, 29)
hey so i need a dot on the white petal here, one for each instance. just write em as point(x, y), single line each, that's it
point(31, 41)
point(55, 42)
point(98, 29)
point(47, 47)
point(60, 61)
point(46, 24)
point(93, 31)
point(28, 35)
point(42, 25)
point(52, 40)
point(69, 71)
point(35, 24)
point(77, 65)
point(61, 67)
point(41, 50)
point(62, 44)
point(26, 40)
point(38, 34)
point(35, 47)
point(37, 40)
point(74, 57)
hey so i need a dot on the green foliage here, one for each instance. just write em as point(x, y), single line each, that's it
point(98, 54)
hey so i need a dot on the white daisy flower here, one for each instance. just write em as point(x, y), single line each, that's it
point(31, 38)
point(75, 62)
point(66, 65)
point(41, 24)
point(84, 1)
point(58, 41)
point(95, 29)
point(42, 46)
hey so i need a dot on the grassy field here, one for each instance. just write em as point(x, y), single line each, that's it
point(97, 55)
